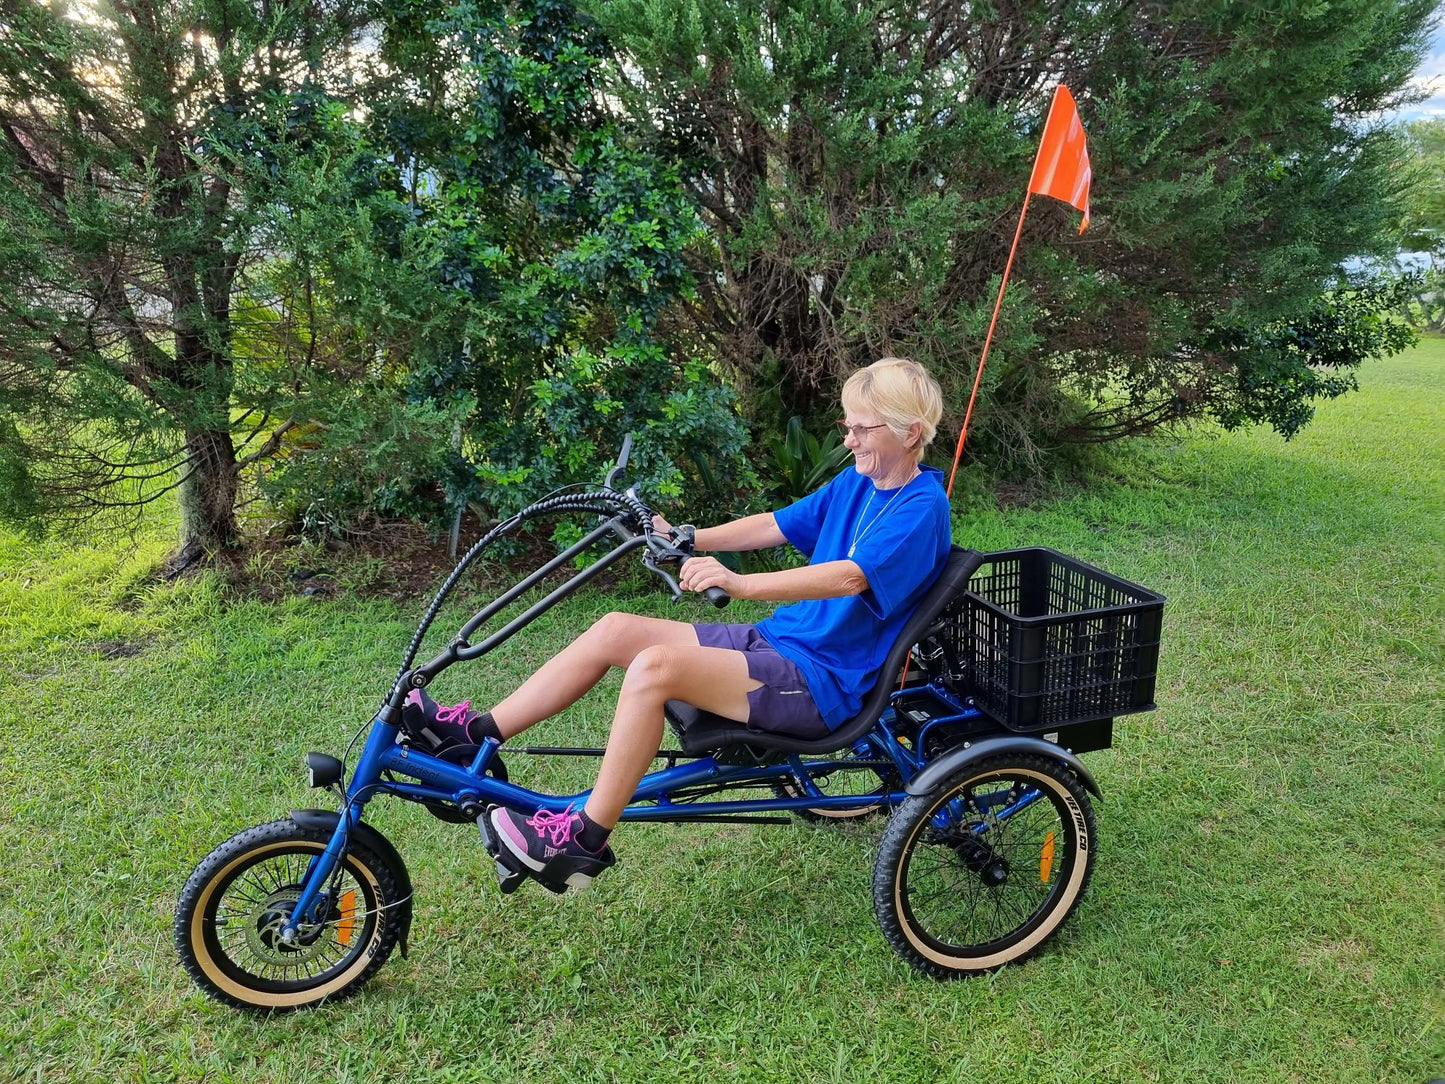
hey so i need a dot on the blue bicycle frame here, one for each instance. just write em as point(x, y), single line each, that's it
point(440, 781)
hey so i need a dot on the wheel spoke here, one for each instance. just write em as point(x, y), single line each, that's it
point(268, 885)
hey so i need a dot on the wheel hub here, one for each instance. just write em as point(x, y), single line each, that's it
point(264, 925)
point(981, 859)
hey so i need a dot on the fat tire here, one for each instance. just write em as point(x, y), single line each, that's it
point(902, 837)
point(219, 976)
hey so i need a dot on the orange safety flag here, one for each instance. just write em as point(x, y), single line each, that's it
point(1061, 169)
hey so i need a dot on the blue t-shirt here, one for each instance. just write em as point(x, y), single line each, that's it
point(900, 539)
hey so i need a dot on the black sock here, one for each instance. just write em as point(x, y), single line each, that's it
point(593, 836)
point(483, 727)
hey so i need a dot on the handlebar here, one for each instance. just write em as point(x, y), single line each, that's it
point(679, 545)
point(623, 513)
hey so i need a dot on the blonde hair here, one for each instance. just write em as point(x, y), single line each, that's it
point(900, 392)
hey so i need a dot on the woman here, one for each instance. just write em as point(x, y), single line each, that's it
point(877, 537)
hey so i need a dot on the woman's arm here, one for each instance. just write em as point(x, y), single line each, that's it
point(831, 579)
point(749, 533)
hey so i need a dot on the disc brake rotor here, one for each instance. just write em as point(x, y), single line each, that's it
point(263, 930)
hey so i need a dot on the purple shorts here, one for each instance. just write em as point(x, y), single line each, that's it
point(782, 704)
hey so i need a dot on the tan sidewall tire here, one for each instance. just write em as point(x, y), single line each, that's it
point(1063, 905)
point(205, 967)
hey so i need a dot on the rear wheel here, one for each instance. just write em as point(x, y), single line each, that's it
point(229, 918)
point(981, 871)
point(864, 782)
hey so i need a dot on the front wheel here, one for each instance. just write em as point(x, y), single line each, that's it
point(981, 871)
point(230, 914)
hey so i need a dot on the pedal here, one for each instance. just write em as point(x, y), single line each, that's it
point(510, 875)
point(489, 839)
point(508, 879)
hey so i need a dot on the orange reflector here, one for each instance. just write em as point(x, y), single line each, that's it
point(347, 925)
point(1046, 859)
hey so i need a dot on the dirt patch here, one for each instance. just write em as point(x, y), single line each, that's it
point(401, 561)
point(1348, 956)
point(116, 649)
point(1014, 495)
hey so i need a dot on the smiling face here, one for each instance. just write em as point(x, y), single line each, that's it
point(901, 393)
point(879, 453)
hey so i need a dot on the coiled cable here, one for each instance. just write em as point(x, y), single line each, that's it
point(602, 502)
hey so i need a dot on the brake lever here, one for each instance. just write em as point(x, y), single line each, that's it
point(649, 560)
point(678, 549)
point(681, 550)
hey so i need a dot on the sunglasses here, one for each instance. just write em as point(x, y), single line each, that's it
point(858, 431)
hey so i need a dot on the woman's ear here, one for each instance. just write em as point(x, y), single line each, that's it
point(915, 435)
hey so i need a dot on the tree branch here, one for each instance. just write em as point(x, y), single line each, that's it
point(273, 442)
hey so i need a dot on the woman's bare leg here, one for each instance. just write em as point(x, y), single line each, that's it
point(613, 640)
point(712, 678)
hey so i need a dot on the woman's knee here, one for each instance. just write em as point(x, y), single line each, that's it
point(609, 626)
point(653, 671)
point(607, 637)
point(619, 637)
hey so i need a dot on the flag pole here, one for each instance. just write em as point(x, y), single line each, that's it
point(998, 304)
point(1065, 175)
point(1068, 149)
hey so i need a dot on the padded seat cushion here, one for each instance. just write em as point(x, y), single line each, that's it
point(702, 732)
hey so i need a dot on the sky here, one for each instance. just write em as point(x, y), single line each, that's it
point(1430, 76)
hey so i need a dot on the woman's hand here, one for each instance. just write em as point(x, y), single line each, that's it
point(660, 525)
point(700, 573)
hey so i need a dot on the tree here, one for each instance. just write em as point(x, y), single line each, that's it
point(860, 167)
point(1424, 226)
point(561, 244)
point(1425, 218)
point(134, 133)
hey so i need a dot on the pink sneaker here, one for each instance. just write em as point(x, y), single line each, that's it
point(440, 725)
point(546, 845)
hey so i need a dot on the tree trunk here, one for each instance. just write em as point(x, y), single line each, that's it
point(208, 495)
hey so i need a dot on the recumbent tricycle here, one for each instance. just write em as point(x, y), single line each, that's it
point(1012, 665)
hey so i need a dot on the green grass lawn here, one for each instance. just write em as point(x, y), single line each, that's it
point(1267, 903)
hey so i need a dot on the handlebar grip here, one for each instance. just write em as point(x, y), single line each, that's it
point(717, 596)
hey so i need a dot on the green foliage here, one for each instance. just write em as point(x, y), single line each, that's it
point(802, 463)
point(337, 325)
point(463, 261)
point(134, 143)
point(375, 456)
point(1425, 218)
point(558, 242)
point(1311, 356)
point(1424, 224)
point(20, 504)
point(1424, 305)
point(861, 167)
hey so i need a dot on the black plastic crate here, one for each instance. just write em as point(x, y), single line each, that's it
point(1041, 640)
